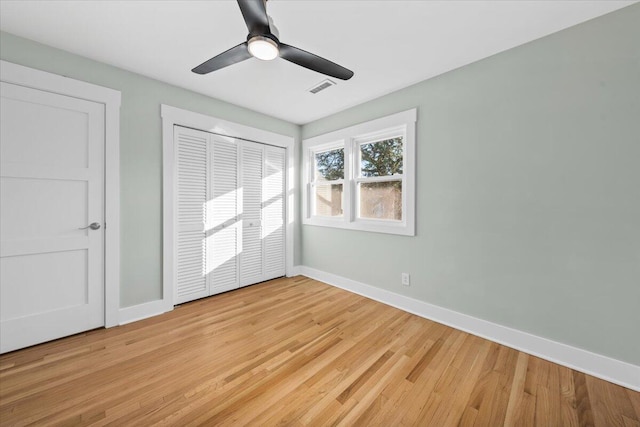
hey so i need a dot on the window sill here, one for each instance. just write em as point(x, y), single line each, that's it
point(374, 226)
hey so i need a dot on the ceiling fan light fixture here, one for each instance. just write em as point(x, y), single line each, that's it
point(263, 48)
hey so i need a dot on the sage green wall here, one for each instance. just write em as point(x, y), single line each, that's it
point(528, 190)
point(140, 151)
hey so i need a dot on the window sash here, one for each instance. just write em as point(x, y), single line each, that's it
point(358, 179)
point(313, 198)
point(379, 137)
point(358, 201)
point(314, 162)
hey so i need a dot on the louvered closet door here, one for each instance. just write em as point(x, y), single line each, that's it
point(192, 173)
point(222, 209)
point(230, 213)
point(263, 237)
point(251, 167)
point(273, 201)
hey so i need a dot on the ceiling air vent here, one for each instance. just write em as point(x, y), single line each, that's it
point(321, 86)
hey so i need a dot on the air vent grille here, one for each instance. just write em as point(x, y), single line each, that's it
point(321, 86)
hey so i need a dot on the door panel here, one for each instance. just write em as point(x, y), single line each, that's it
point(32, 144)
point(222, 216)
point(28, 291)
point(51, 184)
point(192, 166)
point(251, 166)
point(273, 231)
point(41, 208)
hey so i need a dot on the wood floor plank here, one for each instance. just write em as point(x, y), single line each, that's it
point(634, 398)
point(568, 403)
point(583, 400)
point(297, 352)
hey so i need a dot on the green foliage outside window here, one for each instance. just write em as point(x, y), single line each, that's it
point(381, 158)
point(330, 165)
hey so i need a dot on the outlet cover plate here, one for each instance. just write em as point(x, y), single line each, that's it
point(406, 280)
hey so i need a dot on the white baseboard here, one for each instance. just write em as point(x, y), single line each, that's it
point(612, 370)
point(142, 311)
point(296, 270)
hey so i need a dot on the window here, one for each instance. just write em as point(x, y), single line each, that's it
point(362, 177)
point(328, 182)
point(379, 180)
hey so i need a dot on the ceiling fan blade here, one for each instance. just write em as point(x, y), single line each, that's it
point(255, 16)
point(232, 56)
point(314, 62)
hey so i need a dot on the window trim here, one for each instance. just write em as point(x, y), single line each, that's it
point(399, 124)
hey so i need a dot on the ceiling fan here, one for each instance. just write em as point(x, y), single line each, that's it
point(262, 43)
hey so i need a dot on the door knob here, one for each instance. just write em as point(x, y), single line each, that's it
point(93, 226)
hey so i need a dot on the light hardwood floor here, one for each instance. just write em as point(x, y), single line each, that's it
point(297, 352)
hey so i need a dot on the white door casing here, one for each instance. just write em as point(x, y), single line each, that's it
point(110, 99)
point(52, 184)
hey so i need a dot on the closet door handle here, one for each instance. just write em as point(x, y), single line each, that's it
point(93, 226)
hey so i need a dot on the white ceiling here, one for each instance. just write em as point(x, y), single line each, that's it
point(388, 44)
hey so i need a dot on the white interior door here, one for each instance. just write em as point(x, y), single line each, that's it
point(51, 189)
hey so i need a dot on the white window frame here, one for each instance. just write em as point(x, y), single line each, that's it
point(399, 124)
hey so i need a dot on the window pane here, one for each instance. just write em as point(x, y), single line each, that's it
point(381, 158)
point(381, 200)
point(330, 165)
point(328, 200)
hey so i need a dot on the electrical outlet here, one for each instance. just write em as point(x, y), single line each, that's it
point(406, 279)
